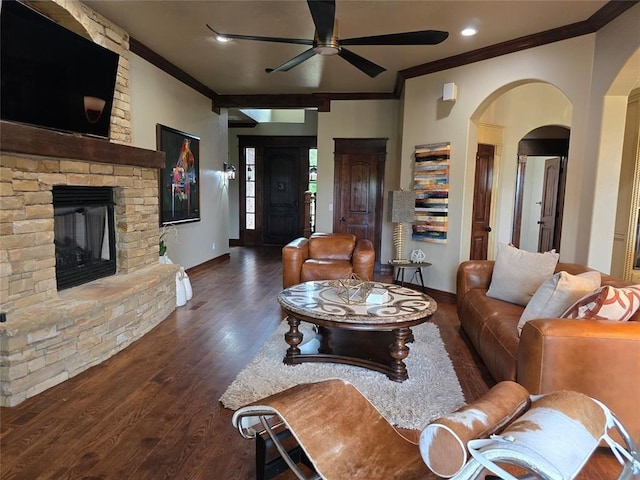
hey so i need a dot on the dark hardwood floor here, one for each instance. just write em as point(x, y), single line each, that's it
point(152, 411)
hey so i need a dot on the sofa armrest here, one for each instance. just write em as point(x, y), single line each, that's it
point(293, 256)
point(473, 274)
point(363, 259)
point(596, 357)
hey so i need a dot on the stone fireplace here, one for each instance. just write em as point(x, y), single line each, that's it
point(83, 234)
point(52, 334)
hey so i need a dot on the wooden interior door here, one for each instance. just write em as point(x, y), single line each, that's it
point(481, 216)
point(541, 147)
point(549, 207)
point(358, 189)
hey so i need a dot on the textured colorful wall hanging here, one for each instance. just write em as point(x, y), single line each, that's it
point(431, 185)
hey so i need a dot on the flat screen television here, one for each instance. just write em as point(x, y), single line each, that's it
point(52, 77)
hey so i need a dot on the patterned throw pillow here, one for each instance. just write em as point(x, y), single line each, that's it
point(607, 303)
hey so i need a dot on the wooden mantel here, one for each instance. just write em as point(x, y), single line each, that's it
point(29, 140)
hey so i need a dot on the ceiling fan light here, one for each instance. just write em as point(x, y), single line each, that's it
point(326, 50)
point(222, 38)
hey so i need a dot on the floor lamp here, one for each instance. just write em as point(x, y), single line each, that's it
point(402, 206)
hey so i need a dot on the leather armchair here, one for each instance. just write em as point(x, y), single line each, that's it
point(326, 256)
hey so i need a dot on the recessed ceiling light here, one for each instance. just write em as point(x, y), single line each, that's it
point(468, 32)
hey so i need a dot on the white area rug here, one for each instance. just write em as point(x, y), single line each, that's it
point(431, 390)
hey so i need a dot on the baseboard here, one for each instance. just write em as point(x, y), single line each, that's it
point(208, 264)
point(438, 295)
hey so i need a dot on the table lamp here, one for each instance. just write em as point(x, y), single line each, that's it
point(402, 206)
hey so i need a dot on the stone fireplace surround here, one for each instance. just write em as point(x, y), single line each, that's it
point(50, 336)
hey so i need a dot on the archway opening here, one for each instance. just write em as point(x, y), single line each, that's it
point(517, 115)
point(540, 188)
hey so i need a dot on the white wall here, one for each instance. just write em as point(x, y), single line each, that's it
point(480, 85)
point(357, 119)
point(616, 74)
point(567, 65)
point(156, 97)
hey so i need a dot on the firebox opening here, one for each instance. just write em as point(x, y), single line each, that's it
point(84, 234)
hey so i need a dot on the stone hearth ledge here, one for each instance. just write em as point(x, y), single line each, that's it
point(52, 341)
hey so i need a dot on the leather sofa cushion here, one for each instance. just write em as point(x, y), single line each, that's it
point(499, 347)
point(496, 340)
point(332, 247)
point(314, 269)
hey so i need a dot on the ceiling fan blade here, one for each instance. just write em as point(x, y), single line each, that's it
point(361, 63)
point(297, 41)
point(324, 16)
point(295, 61)
point(423, 37)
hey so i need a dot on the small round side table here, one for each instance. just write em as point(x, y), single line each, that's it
point(399, 268)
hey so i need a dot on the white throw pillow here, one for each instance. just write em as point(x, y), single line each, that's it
point(517, 274)
point(558, 293)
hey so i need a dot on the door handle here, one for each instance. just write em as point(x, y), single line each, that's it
point(540, 223)
point(487, 229)
point(342, 219)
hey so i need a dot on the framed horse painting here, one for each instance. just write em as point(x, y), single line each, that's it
point(180, 178)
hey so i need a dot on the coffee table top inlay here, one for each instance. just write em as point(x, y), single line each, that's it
point(319, 299)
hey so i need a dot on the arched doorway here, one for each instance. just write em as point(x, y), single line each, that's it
point(540, 187)
point(509, 119)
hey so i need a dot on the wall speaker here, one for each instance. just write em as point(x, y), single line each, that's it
point(449, 92)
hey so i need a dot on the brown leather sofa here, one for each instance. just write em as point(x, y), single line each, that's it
point(596, 357)
point(326, 256)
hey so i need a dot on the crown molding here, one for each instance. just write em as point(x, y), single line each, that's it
point(598, 20)
point(322, 101)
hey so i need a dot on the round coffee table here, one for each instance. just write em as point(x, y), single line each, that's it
point(369, 335)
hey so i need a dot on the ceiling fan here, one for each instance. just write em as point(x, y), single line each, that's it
point(327, 42)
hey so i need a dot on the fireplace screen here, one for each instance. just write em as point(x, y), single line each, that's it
point(84, 234)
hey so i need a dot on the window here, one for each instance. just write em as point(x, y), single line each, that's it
point(250, 192)
point(313, 170)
